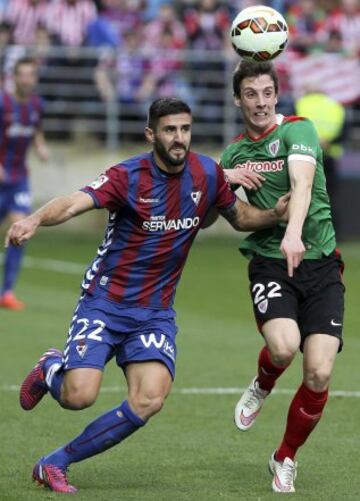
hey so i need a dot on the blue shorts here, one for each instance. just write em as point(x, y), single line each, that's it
point(15, 198)
point(101, 329)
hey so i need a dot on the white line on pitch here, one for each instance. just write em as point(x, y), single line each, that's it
point(53, 265)
point(206, 391)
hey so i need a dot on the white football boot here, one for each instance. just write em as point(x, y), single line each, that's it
point(284, 474)
point(249, 405)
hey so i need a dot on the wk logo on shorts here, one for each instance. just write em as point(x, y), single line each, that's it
point(274, 147)
point(151, 339)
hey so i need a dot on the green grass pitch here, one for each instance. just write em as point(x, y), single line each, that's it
point(191, 450)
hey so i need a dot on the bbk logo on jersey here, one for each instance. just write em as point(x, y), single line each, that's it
point(274, 147)
point(303, 148)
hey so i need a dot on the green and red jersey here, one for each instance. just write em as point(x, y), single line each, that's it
point(291, 138)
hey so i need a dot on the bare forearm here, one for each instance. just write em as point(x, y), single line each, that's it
point(245, 217)
point(298, 208)
point(55, 212)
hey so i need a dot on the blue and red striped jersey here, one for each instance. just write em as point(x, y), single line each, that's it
point(154, 218)
point(18, 124)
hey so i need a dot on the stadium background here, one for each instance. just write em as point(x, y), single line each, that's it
point(100, 64)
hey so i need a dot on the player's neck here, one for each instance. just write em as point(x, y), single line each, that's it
point(258, 132)
point(21, 98)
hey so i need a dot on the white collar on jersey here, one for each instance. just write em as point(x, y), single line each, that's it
point(279, 119)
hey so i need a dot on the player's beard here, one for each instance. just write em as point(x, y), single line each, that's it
point(167, 158)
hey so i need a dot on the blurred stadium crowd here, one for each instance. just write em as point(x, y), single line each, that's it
point(128, 52)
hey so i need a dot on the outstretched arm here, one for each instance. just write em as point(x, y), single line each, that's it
point(301, 177)
point(55, 212)
point(245, 217)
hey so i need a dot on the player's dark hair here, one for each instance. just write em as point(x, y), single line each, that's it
point(165, 106)
point(24, 60)
point(247, 69)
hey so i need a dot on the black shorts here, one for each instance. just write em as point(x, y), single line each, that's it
point(313, 297)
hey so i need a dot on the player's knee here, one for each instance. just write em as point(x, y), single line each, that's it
point(77, 398)
point(317, 379)
point(146, 406)
point(282, 356)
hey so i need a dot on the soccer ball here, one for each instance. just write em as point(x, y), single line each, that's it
point(259, 33)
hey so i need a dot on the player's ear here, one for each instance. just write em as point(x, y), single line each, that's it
point(149, 134)
point(237, 100)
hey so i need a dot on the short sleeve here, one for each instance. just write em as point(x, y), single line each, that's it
point(225, 198)
point(301, 139)
point(225, 158)
point(109, 190)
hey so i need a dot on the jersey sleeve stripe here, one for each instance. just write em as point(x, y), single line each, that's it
point(303, 158)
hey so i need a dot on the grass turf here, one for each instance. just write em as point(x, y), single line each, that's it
point(191, 450)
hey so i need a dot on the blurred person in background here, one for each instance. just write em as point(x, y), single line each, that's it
point(166, 21)
point(24, 16)
point(123, 15)
point(345, 20)
point(121, 76)
point(20, 118)
point(207, 27)
point(305, 20)
point(328, 117)
point(68, 20)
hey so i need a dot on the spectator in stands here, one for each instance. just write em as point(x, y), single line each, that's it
point(305, 20)
point(69, 20)
point(24, 16)
point(168, 22)
point(3, 5)
point(5, 43)
point(152, 9)
point(122, 77)
point(123, 15)
point(345, 21)
point(102, 33)
point(164, 76)
point(207, 25)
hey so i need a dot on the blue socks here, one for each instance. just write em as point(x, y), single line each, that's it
point(103, 433)
point(12, 262)
point(54, 376)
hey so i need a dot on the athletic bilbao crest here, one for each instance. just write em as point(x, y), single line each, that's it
point(274, 147)
point(263, 305)
point(196, 196)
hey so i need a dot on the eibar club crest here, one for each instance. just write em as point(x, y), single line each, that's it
point(274, 147)
point(196, 196)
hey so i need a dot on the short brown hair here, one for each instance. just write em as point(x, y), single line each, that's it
point(24, 60)
point(166, 106)
point(247, 69)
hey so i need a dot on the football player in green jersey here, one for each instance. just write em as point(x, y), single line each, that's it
point(294, 270)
